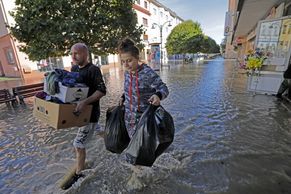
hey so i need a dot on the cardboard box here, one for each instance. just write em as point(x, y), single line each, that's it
point(68, 94)
point(60, 116)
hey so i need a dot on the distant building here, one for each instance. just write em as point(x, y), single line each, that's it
point(152, 15)
point(14, 63)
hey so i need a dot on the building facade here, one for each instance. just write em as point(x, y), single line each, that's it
point(157, 21)
point(10, 56)
point(264, 27)
point(14, 63)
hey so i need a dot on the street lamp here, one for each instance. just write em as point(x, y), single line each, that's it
point(161, 36)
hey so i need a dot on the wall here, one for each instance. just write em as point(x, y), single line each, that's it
point(10, 70)
point(3, 29)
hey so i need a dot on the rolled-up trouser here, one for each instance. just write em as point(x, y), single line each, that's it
point(284, 86)
point(84, 135)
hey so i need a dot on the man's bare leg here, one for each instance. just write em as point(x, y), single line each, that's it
point(80, 157)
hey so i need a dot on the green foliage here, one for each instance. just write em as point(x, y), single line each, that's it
point(177, 41)
point(49, 28)
point(188, 37)
point(209, 45)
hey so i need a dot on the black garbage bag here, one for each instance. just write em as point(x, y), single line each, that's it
point(154, 133)
point(116, 137)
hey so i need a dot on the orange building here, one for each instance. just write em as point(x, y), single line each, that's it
point(9, 65)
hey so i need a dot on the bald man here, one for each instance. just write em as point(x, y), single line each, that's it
point(92, 77)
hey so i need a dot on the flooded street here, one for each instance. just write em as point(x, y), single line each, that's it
point(227, 141)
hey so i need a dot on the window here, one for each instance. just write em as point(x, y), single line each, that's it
point(138, 2)
point(155, 11)
point(146, 4)
point(284, 29)
point(161, 13)
point(288, 10)
point(10, 56)
point(167, 18)
point(145, 37)
point(145, 22)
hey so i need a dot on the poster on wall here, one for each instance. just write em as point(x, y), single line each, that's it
point(273, 40)
point(270, 31)
point(284, 39)
point(268, 37)
point(155, 56)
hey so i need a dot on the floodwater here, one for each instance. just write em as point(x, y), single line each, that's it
point(227, 141)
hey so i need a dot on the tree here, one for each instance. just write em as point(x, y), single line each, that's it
point(209, 45)
point(195, 44)
point(180, 39)
point(48, 28)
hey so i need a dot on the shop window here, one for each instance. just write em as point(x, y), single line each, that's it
point(104, 60)
point(50, 64)
point(10, 56)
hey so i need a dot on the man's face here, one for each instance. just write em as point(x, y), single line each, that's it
point(79, 56)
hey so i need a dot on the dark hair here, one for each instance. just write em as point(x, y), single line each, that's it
point(128, 46)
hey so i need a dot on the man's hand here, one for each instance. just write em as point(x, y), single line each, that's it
point(80, 106)
point(154, 100)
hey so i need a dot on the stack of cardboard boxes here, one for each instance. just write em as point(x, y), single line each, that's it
point(62, 115)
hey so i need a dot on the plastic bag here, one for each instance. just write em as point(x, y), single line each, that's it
point(116, 137)
point(154, 133)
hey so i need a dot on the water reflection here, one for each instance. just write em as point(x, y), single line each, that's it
point(227, 141)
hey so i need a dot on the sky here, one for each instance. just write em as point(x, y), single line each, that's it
point(209, 13)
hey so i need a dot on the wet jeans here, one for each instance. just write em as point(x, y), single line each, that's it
point(286, 84)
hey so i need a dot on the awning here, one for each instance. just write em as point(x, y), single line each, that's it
point(250, 13)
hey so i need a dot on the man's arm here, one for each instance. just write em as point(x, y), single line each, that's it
point(97, 95)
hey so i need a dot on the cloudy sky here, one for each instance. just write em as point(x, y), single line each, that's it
point(209, 13)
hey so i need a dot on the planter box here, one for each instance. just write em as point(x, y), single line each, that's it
point(268, 82)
